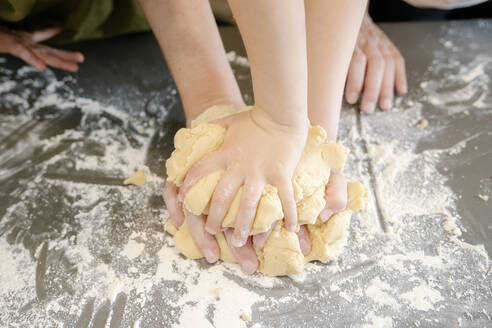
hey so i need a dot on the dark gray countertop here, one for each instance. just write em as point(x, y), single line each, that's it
point(81, 250)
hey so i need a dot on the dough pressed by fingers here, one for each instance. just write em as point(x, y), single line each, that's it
point(281, 253)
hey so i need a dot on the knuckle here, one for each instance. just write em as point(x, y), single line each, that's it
point(361, 57)
point(219, 199)
point(376, 60)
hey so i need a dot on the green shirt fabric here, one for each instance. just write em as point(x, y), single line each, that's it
point(80, 19)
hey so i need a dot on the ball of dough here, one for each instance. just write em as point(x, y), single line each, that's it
point(281, 253)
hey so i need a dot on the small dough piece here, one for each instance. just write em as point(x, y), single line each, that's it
point(328, 238)
point(268, 211)
point(281, 254)
point(356, 196)
point(422, 124)
point(245, 316)
point(191, 145)
point(138, 179)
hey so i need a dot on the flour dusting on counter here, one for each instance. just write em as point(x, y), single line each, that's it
point(78, 247)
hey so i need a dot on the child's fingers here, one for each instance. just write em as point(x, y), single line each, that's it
point(205, 241)
point(304, 240)
point(250, 197)
point(335, 195)
point(170, 193)
point(206, 165)
point(355, 76)
point(244, 255)
point(221, 200)
point(261, 238)
point(286, 195)
point(388, 84)
point(373, 78)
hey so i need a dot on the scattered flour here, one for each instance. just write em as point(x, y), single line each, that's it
point(104, 243)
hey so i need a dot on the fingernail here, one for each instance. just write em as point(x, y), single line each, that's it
point(249, 266)
point(352, 98)
point(386, 104)
point(239, 238)
point(210, 230)
point(210, 256)
point(81, 58)
point(180, 198)
point(325, 215)
point(292, 227)
point(367, 107)
point(404, 89)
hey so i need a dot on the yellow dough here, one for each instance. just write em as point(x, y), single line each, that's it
point(281, 253)
point(138, 179)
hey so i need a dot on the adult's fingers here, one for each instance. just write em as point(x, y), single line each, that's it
point(206, 165)
point(335, 195)
point(373, 78)
point(42, 34)
point(286, 195)
point(205, 241)
point(23, 51)
point(261, 238)
point(53, 60)
point(400, 72)
point(304, 240)
point(170, 195)
point(250, 197)
point(355, 76)
point(223, 195)
point(244, 255)
point(388, 84)
point(73, 56)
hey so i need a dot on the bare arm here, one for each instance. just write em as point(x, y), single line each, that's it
point(190, 40)
point(332, 28)
point(274, 34)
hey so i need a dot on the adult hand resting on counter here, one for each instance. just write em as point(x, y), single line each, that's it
point(376, 70)
point(27, 46)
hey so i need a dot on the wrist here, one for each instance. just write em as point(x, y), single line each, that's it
point(194, 107)
point(263, 119)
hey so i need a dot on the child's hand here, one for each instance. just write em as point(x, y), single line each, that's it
point(377, 67)
point(256, 151)
point(26, 46)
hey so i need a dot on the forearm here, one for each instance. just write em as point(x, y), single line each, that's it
point(189, 38)
point(332, 29)
point(274, 35)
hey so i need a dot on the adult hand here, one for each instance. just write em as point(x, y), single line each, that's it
point(244, 255)
point(26, 45)
point(377, 68)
